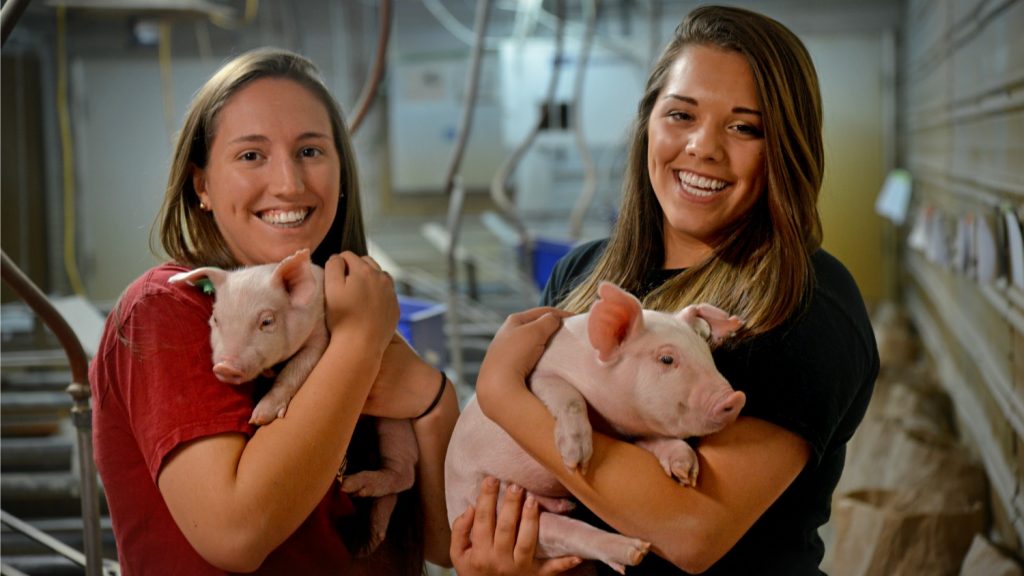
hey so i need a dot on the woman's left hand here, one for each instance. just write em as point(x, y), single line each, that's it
point(491, 542)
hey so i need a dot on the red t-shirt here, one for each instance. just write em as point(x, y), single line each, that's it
point(153, 389)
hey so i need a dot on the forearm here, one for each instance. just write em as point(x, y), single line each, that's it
point(433, 433)
point(245, 505)
point(626, 486)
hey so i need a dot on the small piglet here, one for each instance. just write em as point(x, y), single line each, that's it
point(265, 315)
point(650, 376)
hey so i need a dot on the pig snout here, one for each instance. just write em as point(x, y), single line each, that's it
point(725, 410)
point(228, 373)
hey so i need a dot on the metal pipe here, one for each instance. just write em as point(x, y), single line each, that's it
point(9, 16)
point(456, 193)
point(376, 70)
point(81, 411)
point(586, 198)
point(499, 192)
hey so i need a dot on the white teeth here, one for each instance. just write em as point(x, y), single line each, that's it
point(284, 217)
point(700, 185)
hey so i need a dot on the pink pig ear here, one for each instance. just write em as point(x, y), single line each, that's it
point(215, 275)
point(296, 274)
point(615, 316)
point(712, 323)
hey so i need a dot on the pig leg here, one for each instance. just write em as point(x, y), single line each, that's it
point(292, 376)
point(399, 453)
point(676, 456)
point(563, 536)
point(573, 434)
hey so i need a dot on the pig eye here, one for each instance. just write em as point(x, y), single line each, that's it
point(266, 321)
point(667, 360)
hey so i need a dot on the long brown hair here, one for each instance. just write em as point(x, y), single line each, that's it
point(189, 236)
point(760, 267)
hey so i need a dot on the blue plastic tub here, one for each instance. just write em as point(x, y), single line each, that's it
point(421, 322)
point(546, 252)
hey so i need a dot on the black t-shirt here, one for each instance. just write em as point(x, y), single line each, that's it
point(813, 376)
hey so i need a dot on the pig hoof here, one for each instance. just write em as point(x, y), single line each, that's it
point(685, 472)
point(575, 449)
point(638, 552)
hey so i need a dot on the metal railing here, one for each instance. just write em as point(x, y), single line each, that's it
point(81, 417)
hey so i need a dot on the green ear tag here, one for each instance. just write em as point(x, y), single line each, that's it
point(206, 285)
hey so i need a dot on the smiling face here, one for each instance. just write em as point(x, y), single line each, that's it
point(272, 177)
point(705, 152)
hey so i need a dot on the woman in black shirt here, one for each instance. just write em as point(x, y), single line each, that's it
point(720, 205)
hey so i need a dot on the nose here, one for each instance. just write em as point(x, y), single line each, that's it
point(227, 373)
point(286, 176)
point(729, 408)
point(703, 143)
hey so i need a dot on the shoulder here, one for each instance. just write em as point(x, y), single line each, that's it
point(814, 373)
point(152, 293)
point(571, 269)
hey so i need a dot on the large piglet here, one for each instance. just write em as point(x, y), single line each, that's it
point(265, 315)
point(649, 374)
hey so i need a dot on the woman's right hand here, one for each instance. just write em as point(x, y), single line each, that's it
point(360, 296)
point(491, 542)
point(514, 351)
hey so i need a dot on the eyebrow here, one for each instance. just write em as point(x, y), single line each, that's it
point(693, 101)
point(262, 138)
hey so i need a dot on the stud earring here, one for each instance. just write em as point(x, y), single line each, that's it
point(202, 206)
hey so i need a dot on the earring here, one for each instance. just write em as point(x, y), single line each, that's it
point(202, 206)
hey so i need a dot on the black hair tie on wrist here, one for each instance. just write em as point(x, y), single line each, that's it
point(437, 398)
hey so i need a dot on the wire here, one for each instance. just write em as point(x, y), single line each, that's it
point(164, 55)
point(67, 150)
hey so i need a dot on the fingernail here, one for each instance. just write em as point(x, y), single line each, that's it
point(531, 502)
point(515, 489)
point(490, 482)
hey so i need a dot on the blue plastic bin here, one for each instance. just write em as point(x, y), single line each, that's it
point(421, 322)
point(546, 252)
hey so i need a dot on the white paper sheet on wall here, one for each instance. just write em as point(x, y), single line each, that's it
point(962, 249)
point(1015, 245)
point(894, 199)
point(938, 244)
point(986, 254)
point(918, 237)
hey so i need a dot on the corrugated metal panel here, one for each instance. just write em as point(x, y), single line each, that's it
point(962, 111)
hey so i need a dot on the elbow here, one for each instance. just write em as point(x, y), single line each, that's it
point(233, 552)
point(697, 556)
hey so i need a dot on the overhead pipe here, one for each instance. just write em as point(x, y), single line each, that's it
point(9, 15)
point(586, 198)
point(454, 190)
point(499, 184)
point(369, 92)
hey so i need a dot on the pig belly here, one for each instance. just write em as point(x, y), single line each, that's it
point(480, 448)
